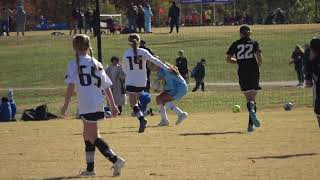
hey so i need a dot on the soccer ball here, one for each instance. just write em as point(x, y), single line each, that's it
point(288, 106)
point(236, 108)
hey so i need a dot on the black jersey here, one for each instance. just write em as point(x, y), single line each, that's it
point(244, 50)
point(249, 75)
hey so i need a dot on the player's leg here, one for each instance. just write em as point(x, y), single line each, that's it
point(134, 99)
point(177, 95)
point(316, 95)
point(202, 85)
point(198, 83)
point(92, 133)
point(251, 106)
point(177, 25)
point(171, 25)
point(161, 100)
point(89, 147)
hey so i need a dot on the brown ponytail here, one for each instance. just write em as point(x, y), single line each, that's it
point(134, 40)
point(81, 43)
point(78, 62)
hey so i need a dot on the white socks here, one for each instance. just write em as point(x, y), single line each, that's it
point(174, 108)
point(162, 112)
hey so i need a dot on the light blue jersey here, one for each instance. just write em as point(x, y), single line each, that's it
point(175, 85)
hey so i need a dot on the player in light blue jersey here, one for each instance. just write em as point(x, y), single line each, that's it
point(175, 87)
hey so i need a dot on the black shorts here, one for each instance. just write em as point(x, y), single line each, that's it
point(134, 89)
point(249, 81)
point(92, 117)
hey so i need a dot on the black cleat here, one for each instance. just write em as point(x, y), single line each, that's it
point(142, 126)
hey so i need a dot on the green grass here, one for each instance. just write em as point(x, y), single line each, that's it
point(40, 59)
point(206, 146)
point(214, 99)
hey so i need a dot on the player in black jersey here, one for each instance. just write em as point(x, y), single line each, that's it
point(247, 54)
point(313, 74)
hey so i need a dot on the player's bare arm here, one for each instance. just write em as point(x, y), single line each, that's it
point(67, 99)
point(231, 59)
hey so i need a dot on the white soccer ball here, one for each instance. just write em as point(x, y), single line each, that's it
point(288, 106)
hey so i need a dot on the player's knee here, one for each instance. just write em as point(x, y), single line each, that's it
point(158, 100)
point(89, 146)
point(136, 109)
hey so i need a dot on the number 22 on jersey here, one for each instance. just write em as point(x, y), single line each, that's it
point(135, 60)
point(245, 51)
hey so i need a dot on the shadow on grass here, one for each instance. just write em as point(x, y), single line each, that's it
point(283, 156)
point(211, 133)
point(181, 41)
point(120, 132)
point(72, 177)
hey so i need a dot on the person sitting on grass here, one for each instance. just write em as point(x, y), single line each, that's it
point(174, 89)
point(8, 108)
point(198, 73)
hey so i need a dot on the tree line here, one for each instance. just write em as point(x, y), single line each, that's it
point(298, 11)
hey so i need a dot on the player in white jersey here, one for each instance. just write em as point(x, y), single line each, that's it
point(87, 76)
point(134, 66)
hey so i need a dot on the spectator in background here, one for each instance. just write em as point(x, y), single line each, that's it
point(21, 20)
point(306, 58)
point(198, 73)
point(132, 15)
point(74, 21)
point(207, 17)
point(4, 20)
point(116, 75)
point(42, 23)
point(174, 15)
point(95, 23)
point(297, 60)
point(140, 18)
point(89, 21)
point(182, 65)
point(143, 45)
point(80, 23)
point(148, 18)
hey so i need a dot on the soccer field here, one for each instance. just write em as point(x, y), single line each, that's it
point(43, 58)
point(211, 144)
point(205, 146)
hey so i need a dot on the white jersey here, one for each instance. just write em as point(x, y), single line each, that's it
point(90, 83)
point(135, 67)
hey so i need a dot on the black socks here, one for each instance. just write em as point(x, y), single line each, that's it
point(105, 150)
point(90, 151)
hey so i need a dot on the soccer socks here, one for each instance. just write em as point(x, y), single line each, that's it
point(138, 113)
point(174, 108)
point(251, 106)
point(105, 150)
point(162, 112)
point(90, 151)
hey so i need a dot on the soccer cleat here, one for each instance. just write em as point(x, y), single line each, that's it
point(164, 122)
point(181, 118)
point(142, 126)
point(254, 118)
point(250, 128)
point(117, 166)
point(87, 173)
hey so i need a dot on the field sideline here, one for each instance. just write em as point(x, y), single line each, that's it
point(206, 146)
